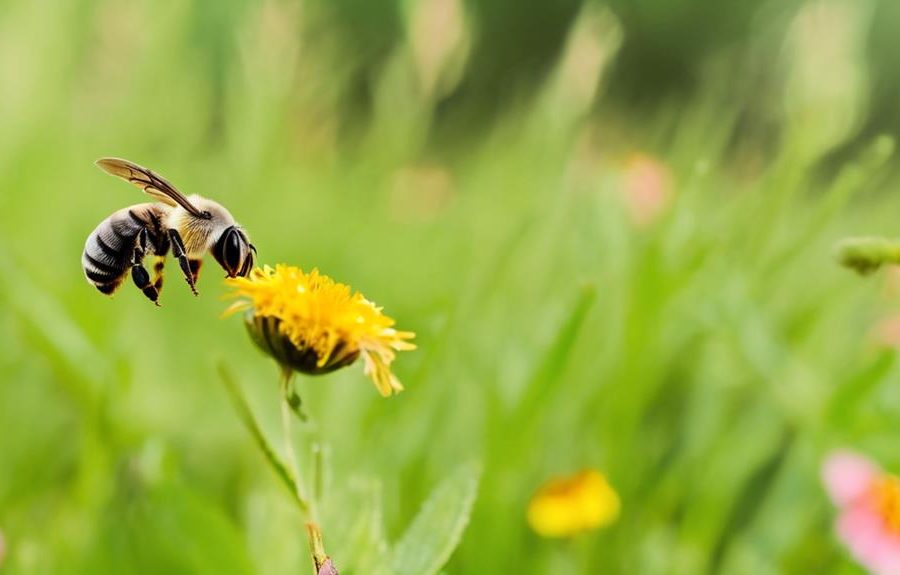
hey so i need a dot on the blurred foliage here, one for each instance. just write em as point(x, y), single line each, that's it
point(611, 226)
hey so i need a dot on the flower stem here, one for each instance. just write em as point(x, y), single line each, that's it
point(290, 477)
point(243, 409)
point(321, 561)
point(318, 470)
point(287, 415)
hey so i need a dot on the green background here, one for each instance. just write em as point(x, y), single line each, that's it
point(705, 362)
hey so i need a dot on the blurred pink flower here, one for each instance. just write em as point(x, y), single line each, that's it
point(891, 285)
point(647, 188)
point(2, 549)
point(869, 504)
point(886, 333)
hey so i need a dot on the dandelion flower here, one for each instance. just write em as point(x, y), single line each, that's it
point(312, 324)
point(567, 506)
point(869, 504)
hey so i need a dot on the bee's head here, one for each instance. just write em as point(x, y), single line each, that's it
point(234, 252)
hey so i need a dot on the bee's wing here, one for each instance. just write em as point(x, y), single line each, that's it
point(149, 181)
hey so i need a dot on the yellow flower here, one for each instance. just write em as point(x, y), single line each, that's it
point(310, 323)
point(568, 506)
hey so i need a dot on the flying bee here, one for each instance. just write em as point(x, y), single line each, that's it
point(189, 226)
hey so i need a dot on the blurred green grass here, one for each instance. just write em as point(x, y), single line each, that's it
point(704, 362)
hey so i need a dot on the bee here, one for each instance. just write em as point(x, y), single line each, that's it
point(189, 226)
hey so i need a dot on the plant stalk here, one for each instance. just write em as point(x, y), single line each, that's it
point(246, 417)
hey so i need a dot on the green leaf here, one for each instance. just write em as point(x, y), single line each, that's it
point(437, 529)
point(353, 528)
point(555, 357)
point(169, 528)
point(847, 398)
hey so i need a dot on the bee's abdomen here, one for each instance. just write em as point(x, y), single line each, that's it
point(108, 250)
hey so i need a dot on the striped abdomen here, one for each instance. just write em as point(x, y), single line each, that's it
point(108, 250)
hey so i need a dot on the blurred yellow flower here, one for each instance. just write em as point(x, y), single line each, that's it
point(567, 506)
point(312, 324)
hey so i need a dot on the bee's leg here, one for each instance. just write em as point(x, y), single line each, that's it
point(181, 256)
point(161, 244)
point(139, 272)
point(195, 269)
point(158, 267)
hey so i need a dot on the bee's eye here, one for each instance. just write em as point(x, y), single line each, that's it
point(231, 251)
